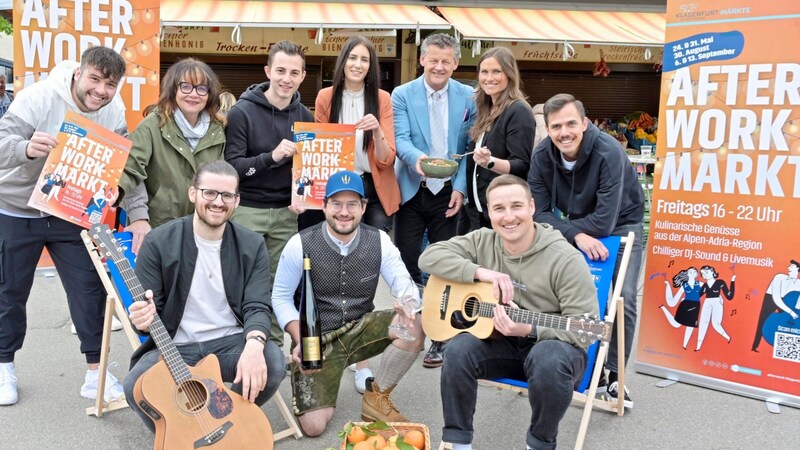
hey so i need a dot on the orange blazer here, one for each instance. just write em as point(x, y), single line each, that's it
point(382, 171)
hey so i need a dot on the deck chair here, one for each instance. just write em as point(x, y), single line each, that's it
point(119, 299)
point(602, 272)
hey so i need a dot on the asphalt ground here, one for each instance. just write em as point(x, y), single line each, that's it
point(50, 413)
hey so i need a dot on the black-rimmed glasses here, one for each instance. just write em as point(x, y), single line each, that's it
point(211, 195)
point(187, 88)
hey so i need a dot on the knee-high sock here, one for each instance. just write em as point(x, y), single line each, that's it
point(394, 364)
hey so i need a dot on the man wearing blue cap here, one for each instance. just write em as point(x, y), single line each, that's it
point(347, 258)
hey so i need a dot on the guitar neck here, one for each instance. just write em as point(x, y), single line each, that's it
point(519, 315)
point(177, 366)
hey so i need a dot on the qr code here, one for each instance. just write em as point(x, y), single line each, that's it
point(787, 347)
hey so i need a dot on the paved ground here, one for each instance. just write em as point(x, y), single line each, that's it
point(50, 413)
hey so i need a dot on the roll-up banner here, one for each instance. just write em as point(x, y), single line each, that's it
point(720, 305)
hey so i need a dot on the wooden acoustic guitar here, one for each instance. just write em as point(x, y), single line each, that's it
point(191, 407)
point(450, 308)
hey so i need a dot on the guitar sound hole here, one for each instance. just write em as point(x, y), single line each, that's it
point(191, 396)
point(471, 306)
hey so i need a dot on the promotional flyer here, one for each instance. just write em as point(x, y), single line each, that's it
point(322, 150)
point(80, 178)
point(720, 305)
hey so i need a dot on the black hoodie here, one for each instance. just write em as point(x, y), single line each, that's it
point(599, 194)
point(255, 128)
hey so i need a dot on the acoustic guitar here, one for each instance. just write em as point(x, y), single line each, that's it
point(191, 407)
point(450, 308)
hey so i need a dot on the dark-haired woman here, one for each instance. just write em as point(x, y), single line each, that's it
point(356, 98)
point(184, 131)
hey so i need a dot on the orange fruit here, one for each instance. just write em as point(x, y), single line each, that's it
point(356, 434)
point(415, 438)
point(363, 445)
point(376, 441)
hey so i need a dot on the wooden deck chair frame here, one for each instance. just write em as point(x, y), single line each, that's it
point(616, 307)
point(114, 303)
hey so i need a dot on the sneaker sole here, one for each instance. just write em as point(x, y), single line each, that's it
point(432, 365)
point(626, 403)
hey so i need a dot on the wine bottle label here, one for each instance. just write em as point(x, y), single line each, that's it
point(311, 349)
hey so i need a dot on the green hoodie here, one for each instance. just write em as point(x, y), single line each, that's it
point(553, 273)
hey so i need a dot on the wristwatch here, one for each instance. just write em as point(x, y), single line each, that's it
point(490, 164)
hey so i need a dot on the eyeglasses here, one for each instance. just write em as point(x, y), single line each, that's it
point(187, 88)
point(336, 205)
point(211, 195)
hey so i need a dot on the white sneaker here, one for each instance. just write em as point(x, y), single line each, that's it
point(361, 379)
point(116, 325)
point(113, 391)
point(8, 384)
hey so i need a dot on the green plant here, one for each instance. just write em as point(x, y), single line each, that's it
point(6, 27)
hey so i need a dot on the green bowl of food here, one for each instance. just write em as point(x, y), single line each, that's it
point(438, 167)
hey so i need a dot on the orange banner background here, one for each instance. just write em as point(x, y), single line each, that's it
point(726, 193)
point(45, 36)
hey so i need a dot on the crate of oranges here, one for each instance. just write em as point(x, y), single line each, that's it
point(385, 436)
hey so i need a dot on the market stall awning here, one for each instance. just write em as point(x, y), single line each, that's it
point(538, 25)
point(254, 13)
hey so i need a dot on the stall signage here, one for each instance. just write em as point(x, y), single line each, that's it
point(258, 41)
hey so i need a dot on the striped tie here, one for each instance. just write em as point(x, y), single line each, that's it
point(438, 143)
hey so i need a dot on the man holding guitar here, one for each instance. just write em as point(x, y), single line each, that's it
point(530, 266)
point(208, 281)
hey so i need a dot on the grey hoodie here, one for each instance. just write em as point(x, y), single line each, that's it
point(41, 107)
point(554, 274)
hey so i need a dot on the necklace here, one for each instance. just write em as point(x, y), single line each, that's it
point(217, 260)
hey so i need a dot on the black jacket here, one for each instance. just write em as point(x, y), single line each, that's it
point(255, 128)
point(166, 264)
point(600, 194)
point(511, 138)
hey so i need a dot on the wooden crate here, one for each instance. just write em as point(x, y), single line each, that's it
point(397, 428)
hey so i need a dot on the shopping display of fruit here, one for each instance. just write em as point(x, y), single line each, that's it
point(384, 436)
point(640, 119)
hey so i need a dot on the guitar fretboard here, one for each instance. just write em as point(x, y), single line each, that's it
point(176, 365)
point(518, 315)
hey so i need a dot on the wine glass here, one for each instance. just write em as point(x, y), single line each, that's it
point(407, 295)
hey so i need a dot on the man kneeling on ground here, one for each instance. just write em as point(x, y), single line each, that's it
point(346, 258)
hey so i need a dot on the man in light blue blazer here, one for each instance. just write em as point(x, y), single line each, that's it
point(432, 118)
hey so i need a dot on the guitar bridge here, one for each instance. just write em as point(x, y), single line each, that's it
point(213, 437)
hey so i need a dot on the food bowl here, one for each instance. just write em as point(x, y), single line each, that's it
point(438, 167)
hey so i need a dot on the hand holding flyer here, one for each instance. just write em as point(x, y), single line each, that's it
point(322, 150)
point(80, 177)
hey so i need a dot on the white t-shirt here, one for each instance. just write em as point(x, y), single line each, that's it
point(207, 314)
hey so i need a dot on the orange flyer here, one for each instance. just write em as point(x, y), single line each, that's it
point(81, 174)
point(322, 150)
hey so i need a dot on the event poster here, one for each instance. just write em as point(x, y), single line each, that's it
point(322, 150)
point(80, 177)
point(721, 285)
point(47, 32)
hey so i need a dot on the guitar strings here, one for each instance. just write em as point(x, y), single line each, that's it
point(183, 377)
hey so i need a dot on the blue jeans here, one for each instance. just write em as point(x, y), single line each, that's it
point(630, 294)
point(228, 349)
point(552, 369)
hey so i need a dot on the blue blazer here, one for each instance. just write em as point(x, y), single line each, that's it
point(412, 131)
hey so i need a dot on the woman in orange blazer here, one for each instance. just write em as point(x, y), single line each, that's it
point(356, 98)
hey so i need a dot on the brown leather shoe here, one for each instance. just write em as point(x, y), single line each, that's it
point(376, 404)
point(435, 356)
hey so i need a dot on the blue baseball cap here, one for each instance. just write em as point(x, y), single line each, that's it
point(344, 181)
